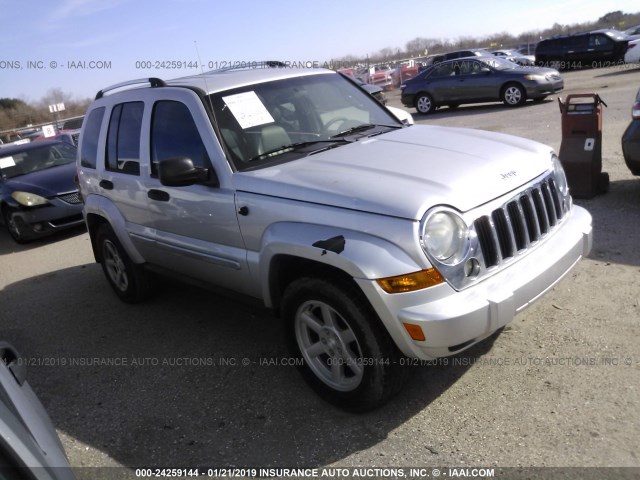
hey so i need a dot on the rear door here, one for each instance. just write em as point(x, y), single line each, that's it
point(601, 50)
point(120, 179)
point(441, 83)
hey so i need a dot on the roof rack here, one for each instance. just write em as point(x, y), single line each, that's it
point(152, 81)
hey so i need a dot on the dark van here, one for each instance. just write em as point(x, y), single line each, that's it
point(600, 48)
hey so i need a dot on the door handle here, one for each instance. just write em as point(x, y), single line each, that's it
point(106, 184)
point(159, 195)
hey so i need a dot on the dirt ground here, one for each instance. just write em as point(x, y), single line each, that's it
point(560, 386)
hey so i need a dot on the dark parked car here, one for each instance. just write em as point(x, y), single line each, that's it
point(457, 54)
point(475, 80)
point(38, 195)
point(29, 445)
point(600, 48)
point(631, 139)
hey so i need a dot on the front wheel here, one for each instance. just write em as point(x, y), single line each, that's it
point(129, 281)
point(424, 104)
point(15, 226)
point(347, 356)
point(513, 95)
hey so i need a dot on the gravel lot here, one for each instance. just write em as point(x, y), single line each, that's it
point(560, 386)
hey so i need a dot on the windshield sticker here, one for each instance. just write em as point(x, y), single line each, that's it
point(7, 162)
point(248, 109)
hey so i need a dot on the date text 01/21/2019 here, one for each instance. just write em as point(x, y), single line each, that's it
point(224, 64)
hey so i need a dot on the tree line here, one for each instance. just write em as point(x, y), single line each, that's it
point(16, 113)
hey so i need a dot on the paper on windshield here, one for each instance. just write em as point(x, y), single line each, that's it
point(248, 109)
point(6, 162)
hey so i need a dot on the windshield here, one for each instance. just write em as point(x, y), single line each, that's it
point(35, 159)
point(283, 120)
point(498, 63)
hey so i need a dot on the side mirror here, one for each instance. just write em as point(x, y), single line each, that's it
point(485, 70)
point(181, 172)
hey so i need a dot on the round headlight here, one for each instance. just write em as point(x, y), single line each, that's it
point(559, 175)
point(445, 237)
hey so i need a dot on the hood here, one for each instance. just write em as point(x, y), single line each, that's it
point(522, 70)
point(404, 172)
point(46, 183)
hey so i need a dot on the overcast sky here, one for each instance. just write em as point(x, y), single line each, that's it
point(42, 44)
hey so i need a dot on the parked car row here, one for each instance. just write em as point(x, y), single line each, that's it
point(599, 48)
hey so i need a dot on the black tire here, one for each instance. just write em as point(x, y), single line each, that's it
point(424, 103)
point(603, 182)
point(14, 226)
point(513, 95)
point(331, 323)
point(130, 281)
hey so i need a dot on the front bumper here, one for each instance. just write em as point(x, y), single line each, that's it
point(41, 221)
point(539, 90)
point(407, 99)
point(453, 321)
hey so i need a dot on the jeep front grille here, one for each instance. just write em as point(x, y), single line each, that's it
point(519, 223)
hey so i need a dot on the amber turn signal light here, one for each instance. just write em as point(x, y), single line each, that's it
point(415, 332)
point(411, 281)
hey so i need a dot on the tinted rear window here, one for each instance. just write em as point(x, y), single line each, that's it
point(90, 135)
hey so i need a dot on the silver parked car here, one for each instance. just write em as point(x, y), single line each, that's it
point(373, 240)
point(29, 444)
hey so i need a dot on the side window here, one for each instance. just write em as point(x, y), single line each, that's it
point(577, 42)
point(174, 134)
point(90, 135)
point(469, 68)
point(443, 71)
point(599, 41)
point(123, 138)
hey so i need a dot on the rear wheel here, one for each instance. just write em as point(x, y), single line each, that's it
point(347, 356)
point(513, 95)
point(424, 104)
point(130, 281)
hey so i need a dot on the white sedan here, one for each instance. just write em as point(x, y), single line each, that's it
point(633, 52)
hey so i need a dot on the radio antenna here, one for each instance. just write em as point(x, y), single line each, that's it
point(204, 77)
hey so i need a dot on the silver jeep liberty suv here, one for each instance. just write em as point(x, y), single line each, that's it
point(373, 240)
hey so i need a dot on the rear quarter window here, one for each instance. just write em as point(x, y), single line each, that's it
point(90, 135)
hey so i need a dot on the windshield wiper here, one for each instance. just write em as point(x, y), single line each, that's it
point(295, 146)
point(362, 128)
